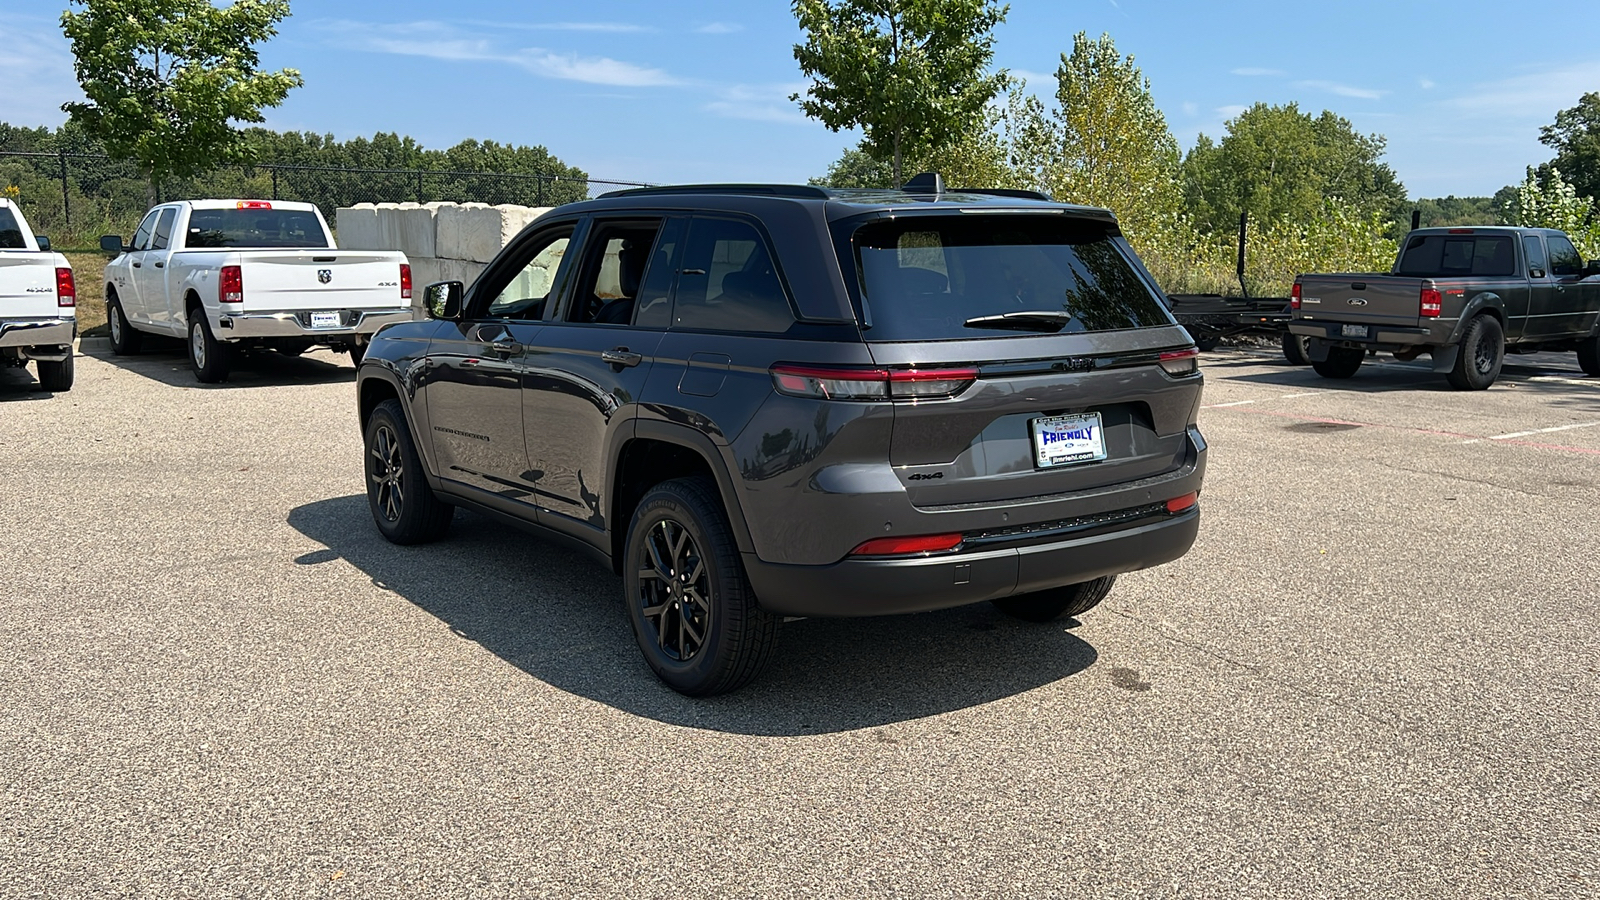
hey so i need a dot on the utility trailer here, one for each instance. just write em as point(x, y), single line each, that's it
point(1211, 317)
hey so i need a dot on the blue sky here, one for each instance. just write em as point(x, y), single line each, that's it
point(697, 91)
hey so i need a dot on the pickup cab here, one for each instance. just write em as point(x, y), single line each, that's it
point(38, 302)
point(1466, 296)
point(223, 274)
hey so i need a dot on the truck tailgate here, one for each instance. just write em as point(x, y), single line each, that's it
point(1370, 299)
point(28, 286)
point(321, 280)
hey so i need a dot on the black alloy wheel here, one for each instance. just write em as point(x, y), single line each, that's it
point(404, 507)
point(386, 469)
point(675, 590)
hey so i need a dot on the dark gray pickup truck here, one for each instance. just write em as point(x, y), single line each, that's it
point(1466, 296)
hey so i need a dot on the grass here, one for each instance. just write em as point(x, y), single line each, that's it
point(89, 272)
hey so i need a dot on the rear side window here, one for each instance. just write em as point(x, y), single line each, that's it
point(212, 228)
point(1454, 255)
point(929, 278)
point(1564, 258)
point(1534, 250)
point(728, 281)
point(10, 232)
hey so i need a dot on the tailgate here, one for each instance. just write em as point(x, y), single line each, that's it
point(322, 280)
point(1369, 299)
point(28, 286)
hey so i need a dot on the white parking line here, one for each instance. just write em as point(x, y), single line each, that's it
point(1221, 405)
point(1517, 434)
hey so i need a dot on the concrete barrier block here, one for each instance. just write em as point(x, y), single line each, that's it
point(356, 227)
point(417, 230)
point(457, 226)
point(464, 271)
point(389, 216)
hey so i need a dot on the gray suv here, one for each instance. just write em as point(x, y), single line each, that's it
point(757, 401)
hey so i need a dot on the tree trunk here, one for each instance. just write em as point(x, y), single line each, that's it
point(898, 180)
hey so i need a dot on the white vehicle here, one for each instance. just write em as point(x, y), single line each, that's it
point(38, 302)
point(224, 273)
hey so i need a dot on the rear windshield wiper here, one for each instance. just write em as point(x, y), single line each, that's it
point(1029, 320)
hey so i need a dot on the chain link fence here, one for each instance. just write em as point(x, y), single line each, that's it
point(75, 197)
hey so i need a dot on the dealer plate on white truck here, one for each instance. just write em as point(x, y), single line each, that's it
point(325, 320)
point(1063, 440)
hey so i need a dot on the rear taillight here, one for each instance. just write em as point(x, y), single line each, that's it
point(66, 288)
point(405, 281)
point(1294, 296)
point(1180, 504)
point(907, 546)
point(230, 285)
point(1431, 303)
point(1181, 362)
point(828, 383)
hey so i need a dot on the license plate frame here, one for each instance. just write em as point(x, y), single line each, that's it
point(1354, 331)
point(325, 320)
point(1080, 439)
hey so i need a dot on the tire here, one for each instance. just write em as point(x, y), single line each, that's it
point(124, 340)
point(1296, 349)
point(1053, 603)
point(207, 355)
point(403, 507)
point(1207, 344)
point(1342, 362)
point(1483, 352)
point(1589, 355)
point(680, 526)
point(56, 377)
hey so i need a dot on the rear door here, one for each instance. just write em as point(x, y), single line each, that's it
point(1061, 336)
point(1542, 288)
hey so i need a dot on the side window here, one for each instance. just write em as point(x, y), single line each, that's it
point(141, 238)
point(1535, 253)
point(524, 297)
point(163, 234)
point(1564, 258)
point(654, 306)
point(729, 281)
point(613, 272)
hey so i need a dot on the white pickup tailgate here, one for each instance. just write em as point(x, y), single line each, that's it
point(28, 285)
point(320, 280)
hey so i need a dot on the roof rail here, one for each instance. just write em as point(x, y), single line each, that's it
point(1007, 192)
point(770, 190)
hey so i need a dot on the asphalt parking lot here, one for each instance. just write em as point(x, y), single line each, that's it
point(1375, 676)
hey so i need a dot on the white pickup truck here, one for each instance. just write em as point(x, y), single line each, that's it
point(225, 273)
point(38, 302)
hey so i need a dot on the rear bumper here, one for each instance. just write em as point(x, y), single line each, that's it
point(876, 587)
point(1378, 336)
point(297, 324)
point(37, 332)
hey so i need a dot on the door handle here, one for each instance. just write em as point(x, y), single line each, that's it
point(620, 357)
point(507, 347)
point(138, 265)
point(161, 265)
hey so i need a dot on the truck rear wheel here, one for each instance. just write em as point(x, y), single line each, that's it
point(1296, 349)
point(1049, 605)
point(207, 355)
point(1483, 352)
point(56, 377)
point(1589, 355)
point(1342, 362)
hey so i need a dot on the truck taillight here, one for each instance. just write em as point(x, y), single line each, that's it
point(405, 281)
point(1432, 303)
point(66, 288)
point(829, 383)
point(1294, 296)
point(230, 285)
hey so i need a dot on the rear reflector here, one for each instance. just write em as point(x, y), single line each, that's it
point(1431, 304)
point(1180, 504)
point(253, 204)
point(1294, 296)
point(904, 546)
point(1181, 362)
point(230, 285)
point(405, 281)
point(828, 383)
point(66, 288)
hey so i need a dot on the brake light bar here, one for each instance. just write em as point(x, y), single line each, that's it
point(870, 383)
point(908, 546)
point(66, 288)
point(1294, 295)
point(1181, 362)
point(230, 285)
point(1430, 305)
point(405, 281)
point(252, 204)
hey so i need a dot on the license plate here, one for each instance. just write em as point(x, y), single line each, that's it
point(1353, 331)
point(325, 320)
point(1064, 440)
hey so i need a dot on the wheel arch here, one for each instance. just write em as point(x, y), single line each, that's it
point(657, 452)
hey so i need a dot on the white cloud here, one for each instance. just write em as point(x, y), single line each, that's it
point(1343, 90)
point(720, 28)
point(1228, 112)
point(1537, 93)
point(603, 27)
point(1426, 84)
point(1190, 108)
point(1253, 72)
point(759, 103)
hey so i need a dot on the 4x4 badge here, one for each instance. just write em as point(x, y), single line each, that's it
point(324, 275)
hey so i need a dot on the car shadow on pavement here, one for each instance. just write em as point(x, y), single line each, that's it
point(556, 615)
point(19, 384)
point(166, 360)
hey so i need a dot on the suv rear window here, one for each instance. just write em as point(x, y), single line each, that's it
point(1447, 255)
point(927, 277)
point(254, 228)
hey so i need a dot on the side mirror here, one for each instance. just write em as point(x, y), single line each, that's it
point(112, 243)
point(1593, 268)
point(44, 242)
point(442, 300)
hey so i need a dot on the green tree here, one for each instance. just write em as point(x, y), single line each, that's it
point(167, 79)
point(1576, 139)
point(1444, 212)
point(1277, 163)
point(1546, 200)
point(911, 74)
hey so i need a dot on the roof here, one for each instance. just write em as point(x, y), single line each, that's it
point(840, 202)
